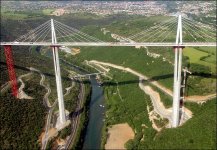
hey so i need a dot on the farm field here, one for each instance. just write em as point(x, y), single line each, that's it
point(203, 56)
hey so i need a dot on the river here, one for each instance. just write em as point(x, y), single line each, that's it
point(96, 115)
point(92, 139)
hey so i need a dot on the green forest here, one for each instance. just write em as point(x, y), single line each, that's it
point(22, 120)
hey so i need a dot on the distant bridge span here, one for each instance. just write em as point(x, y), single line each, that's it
point(171, 44)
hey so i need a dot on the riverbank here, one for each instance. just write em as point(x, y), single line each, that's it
point(93, 113)
point(81, 131)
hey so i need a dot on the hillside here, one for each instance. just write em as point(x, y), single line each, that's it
point(31, 111)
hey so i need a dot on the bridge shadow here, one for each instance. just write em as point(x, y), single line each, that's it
point(154, 78)
point(112, 83)
point(86, 81)
point(28, 70)
point(204, 75)
point(74, 114)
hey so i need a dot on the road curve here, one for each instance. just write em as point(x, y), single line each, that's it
point(76, 117)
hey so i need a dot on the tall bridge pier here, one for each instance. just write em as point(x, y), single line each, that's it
point(62, 115)
point(177, 75)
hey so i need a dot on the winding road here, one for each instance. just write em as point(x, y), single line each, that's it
point(47, 104)
point(75, 119)
point(159, 107)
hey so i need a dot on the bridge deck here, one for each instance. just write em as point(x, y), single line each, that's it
point(171, 44)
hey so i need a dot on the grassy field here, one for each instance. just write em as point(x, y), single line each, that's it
point(210, 50)
point(196, 55)
point(14, 15)
point(47, 11)
point(21, 16)
point(203, 61)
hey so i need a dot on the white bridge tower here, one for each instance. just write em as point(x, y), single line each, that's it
point(177, 75)
point(62, 115)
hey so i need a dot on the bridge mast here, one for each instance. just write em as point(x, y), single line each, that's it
point(177, 75)
point(58, 76)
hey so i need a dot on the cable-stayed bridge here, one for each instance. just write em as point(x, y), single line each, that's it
point(176, 32)
point(170, 44)
point(161, 34)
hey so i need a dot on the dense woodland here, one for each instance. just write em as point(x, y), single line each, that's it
point(22, 120)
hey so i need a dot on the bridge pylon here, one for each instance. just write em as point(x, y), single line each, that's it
point(62, 115)
point(177, 75)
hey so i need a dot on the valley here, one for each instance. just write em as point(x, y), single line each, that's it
point(134, 92)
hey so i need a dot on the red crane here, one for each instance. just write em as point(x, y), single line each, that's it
point(11, 70)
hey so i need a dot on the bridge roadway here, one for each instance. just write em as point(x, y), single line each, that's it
point(170, 44)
